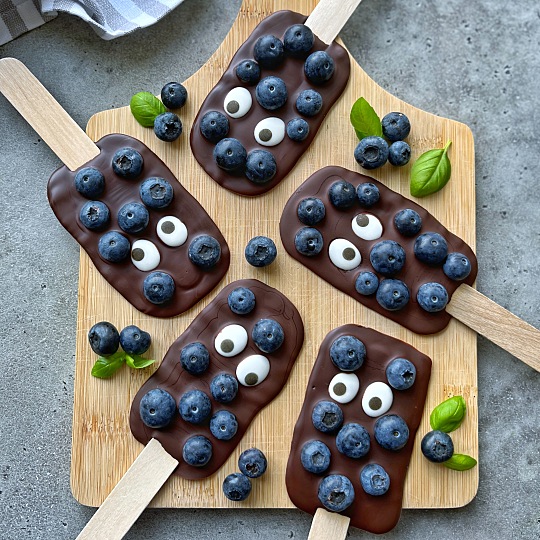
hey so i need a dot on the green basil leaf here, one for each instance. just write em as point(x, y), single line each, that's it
point(365, 120)
point(449, 415)
point(460, 462)
point(145, 107)
point(138, 362)
point(106, 366)
point(431, 172)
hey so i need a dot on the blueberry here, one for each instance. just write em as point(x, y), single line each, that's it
point(174, 95)
point(297, 129)
point(327, 416)
point(197, 451)
point(114, 247)
point(271, 93)
point(431, 248)
point(395, 126)
point(342, 194)
point(104, 338)
point(127, 162)
point(248, 71)
point(223, 425)
point(319, 67)
point(133, 217)
point(311, 211)
point(241, 301)
point(214, 126)
point(368, 194)
point(204, 251)
point(432, 297)
point(309, 102)
point(374, 479)
point(268, 51)
point(401, 373)
point(371, 152)
point(408, 222)
point(156, 192)
point(230, 155)
point(268, 335)
point(308, 241)
point(194, 406)
point(336, 492)
point(260, 251)
point(94, 215)
point(367, 283)
point(237, 487)
point(260, 166)
point(195, 358)
point(224, 387)
point(298, 40)
point(315, 457)
point(353, 440)
point(89, 182)
point(157, 408)
point(393, 294)
point(252, 462)
point(134, 340)
point(167, 126)
point(437, 446)
point(347, 353)
point(158, 287)
point(399, 153)
point(387, 257)
point(391, 432)
point(457, 266)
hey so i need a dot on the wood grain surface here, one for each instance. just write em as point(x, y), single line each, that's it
point(103, 448)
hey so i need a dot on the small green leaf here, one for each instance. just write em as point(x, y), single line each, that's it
point(449, 415)
point(460, 462)
point(138, 362)
point(365, 120)
point(106, 366)
point(431, 172)
point(145, 107)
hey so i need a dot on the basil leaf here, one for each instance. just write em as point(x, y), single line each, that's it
point(138, 362)
point(431, 172)
point(365, 120)
point(460, 462)
point(106, 366)
point(145, 107)
point(449, 415)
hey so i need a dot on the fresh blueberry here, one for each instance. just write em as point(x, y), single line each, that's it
point(268, 51)
point(114, 247)
point(374, 479)
point(347, 353)
point(237, 487)
point(133, 217)
point(174, 95)
point(104, 338)
point(311, 211)
point(241, 301)
point(127, 162)
point(157, 408)
point(309, 102)
point(408, 222)
point(395, 126)
point(319, 67)
point(371, 152)
point(224, 387)
point(156, 192)
point(342, 194)
point(457, 266)
point(194, 406)
point(393, 294)
point(437, 446)
point(367, 283)
point(195, 358)
point(261, 166)
point(260, 251)
point(336, 492)
point(230, 155)
point(197, 451)
point(387, 257)
point(248, 71)
point(431, 248)
point(298, 40)
point(297, 129)
point(401, 373)
point(252, 462)
point(158, 287)
point(327, 416)
point(268, 335)
point(391, 432)
point(308, 241)
point(94, 215)
point(353, 440)
point(204, 251)
point(214, 126)
point(315, 457)
point(271, 93)
point(368, 194)
point(167, 126)
point(432, 297)
point(134, 340)
point(399, 153)
point(89, 182)
point(223, 425)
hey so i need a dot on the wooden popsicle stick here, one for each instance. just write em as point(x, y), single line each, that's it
point(329, 17)
point(497, 324)
point(328, 525)
point(52, 123)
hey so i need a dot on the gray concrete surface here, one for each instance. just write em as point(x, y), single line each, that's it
point(477, 62)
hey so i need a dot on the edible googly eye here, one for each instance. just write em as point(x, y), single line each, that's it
point(270, 131)
point(238, 102)
point(144, 255)
point(253, 370)
point(377, 399)
point(344, 254)
point(231, 341)
point(344, 387)
point(171, 231)
point(367, 227)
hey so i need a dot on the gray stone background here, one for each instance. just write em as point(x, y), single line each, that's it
point(477, 62)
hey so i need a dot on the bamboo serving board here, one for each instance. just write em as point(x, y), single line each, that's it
point(103, 447)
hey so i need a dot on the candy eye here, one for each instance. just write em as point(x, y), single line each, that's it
point(344, 254)
point(171, 231)
point(344, 387)
point(144, 255)
point(231, 341)
point(270, 131)
point(377, 399)
point(253, 370)
point(238, 102)
point(367, 227)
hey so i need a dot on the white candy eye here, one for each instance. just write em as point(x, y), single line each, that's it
point(231, 340)
point(238, 102)
point(270, 131)
point(344, 387)
point(377, 399)
point(144, 255)
point(171, 231)
point(344, 254)
point(253, 370)
point(367, 226)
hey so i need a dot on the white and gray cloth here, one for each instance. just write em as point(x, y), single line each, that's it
point(109, 18)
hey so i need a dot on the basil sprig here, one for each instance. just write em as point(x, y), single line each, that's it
point(365, 120)
point(448, 415)
point(106, 366)
point(145, 107)
point(460, 462)
point(431, 172)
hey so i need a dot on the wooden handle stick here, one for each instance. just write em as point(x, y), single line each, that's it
point(329, 17)
point(327, 525)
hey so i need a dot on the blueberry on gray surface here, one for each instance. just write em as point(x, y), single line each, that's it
point(327, 416)
point(371, 152)
point(237, 487)
point(309, 102)
point(311, 211)
point(260, 251)
point(89, 182)
point(308, 241)
point(271, 93)
point(157, 408)
point(431, 248)
point(224, 387)
point(197, 451)
point(94, 215)
point(395, 126)
point(315, 457)
point(204, 251)
point(374, 479)
point(167, 126)
point(298, 40)
point(230, 155)
point(241, 301)
point(268, 335)
point(342, 194)
point(252, 462)
point(393, 294)
point(387, 257)
point(156, 192)
point(194, 406)
point(319, 67)
point(214, 126)
point(367, 283)
point(133, 217)
point(297, 129)
point(437, 446)
point(399, 153)
point(268, 51)
point(353, 440)
point(104, 338)
point(368, 194)
point(347, 353)
point(223, 425)
point(127, 162)
point(457, 266)
point(195, 358)
point(401, 373)
point(391, 432)
point(261, 166)
point(248, 71)
point(114, 247)
point(408, 222)
point(336, 492)
point(432, 297)
point(174, 95)
point(158, 287)
point(134, 340)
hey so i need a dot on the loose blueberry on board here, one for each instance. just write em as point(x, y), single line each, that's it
point(377, 399)
point(374, 479)
point(224, 387)
point(261, 166)
point(319, 67)
point(241, 301)
point(223, 425)
point(367, 283)
point(387, 257)
point(194, 406)
point(268, 335)
point(252, 462)
point(308, 241)
point(297, 129)
point(401, 373)
point(94, 215)
point(271, 93)
point(127, 162)
point(393, 294)
point(391, 432)
point(214, 126)
point(229, 154)
point(344, 387)
point(260, 251)
point(348, 353)
point(133, 217)
point(158, 287)
point(195, 358)
point(298, 40)
point(431, 248)
point(432, 297)
point(309, 102)
point(197, 451)
point(353, 440)
point(174, 95)
point(408, 222)
point(457, 266)
point(157, 408)
point(156, 192)
point(311, 211)
point(437, 446)
point(371, 152)
point(104, 338)
point(248, 71)
point(268, 51)
point(336, 492)
point(89, 182)
point(327, 416)
point(204, 251)
point(368, 194)
point(134, 340)
point(237, 487)
point(167, 126)
point(399, 154)
point(238, 102)
point(395, 126)
point(269, 131)
point(114, 247)
point(342, 194)
point(315, 457)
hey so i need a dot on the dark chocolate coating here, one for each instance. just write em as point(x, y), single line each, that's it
point(191, 282)
point(377, 514)
point(288, 152)
point(269, 303)
point(337, 224)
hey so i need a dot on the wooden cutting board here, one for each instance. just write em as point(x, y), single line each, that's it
point(103, 447)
